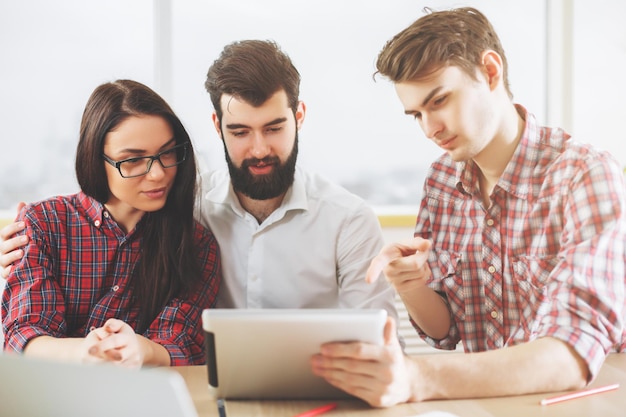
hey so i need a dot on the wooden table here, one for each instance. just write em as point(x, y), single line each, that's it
point(609, 404)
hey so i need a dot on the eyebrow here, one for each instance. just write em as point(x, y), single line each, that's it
point(142, 151)
point(276, 121)
point(429, 97)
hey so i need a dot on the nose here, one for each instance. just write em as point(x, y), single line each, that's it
point(259, 147)
point(156, 170)
point(431, 125)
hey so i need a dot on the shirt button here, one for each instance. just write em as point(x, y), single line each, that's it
point(97, 223)
point(494, 314)
point(92, 328)
point(491, 269)
point(489, 222)
point(116, 287)
point(106, 214)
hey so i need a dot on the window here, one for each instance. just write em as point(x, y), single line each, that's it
point(55, 53)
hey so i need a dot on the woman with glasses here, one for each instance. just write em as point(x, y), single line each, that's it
point(119, 272)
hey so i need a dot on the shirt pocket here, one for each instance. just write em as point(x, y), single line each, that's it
point(530, 278)
point(447, 277)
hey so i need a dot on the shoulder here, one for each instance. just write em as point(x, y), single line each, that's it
point(206, 246)
point(209, 180)
point(574, 160)
point(202, 233)
point(51, 208)
point(203, 236)
point(336, 210)
point(54, 216)
point(320, 189)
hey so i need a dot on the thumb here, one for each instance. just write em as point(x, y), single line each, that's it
point(422, 245)
point(113, 325)
point(389, 333)
point(422, 249)
point(391, 252)
point(20, 206)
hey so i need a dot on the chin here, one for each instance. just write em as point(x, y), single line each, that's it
point(152, 206)
point(457, 155)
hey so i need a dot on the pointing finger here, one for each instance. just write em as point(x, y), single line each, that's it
point(395, 251)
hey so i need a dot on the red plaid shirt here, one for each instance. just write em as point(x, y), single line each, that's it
point(75, 274)
point(546, 259)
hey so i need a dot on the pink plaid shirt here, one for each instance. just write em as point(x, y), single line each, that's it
point(546, 259)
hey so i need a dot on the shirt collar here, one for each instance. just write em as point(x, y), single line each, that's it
point(518, 174)
point(93, 208)
point(98, 216)
point(295, 197)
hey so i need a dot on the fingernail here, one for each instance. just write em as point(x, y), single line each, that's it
point(93, 350)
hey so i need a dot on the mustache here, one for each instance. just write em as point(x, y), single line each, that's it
point(268, 160)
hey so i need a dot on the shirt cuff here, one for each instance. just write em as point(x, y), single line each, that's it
point(17, 339)
point(586, 345)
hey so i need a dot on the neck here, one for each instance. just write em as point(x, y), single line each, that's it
point(260, 209)
point(493, 160)
point(125, 218)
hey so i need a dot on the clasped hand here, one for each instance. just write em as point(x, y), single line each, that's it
point(115, 342)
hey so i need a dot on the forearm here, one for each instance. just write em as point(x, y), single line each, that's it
point(154, 354)
point(543, 365)
point(69, 349)
point(76, 350)
point(428, 310)
point(176, 334)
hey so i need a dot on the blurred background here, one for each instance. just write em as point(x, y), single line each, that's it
point(566, 59)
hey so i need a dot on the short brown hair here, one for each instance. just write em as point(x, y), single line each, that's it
point(456, 37)
point(252, 70)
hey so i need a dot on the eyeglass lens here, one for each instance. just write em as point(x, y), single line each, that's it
point(140, 166)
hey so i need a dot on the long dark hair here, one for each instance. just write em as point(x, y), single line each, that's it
point(167, 265)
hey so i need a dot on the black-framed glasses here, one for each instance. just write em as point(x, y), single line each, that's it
point(136, 167)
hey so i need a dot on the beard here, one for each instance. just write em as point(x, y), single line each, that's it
point(263, 187)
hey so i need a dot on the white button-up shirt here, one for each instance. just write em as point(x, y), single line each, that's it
point(311, 252)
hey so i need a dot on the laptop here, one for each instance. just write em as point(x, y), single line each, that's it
point(265, 353)
point(34, 388)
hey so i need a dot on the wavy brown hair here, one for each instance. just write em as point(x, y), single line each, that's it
point(455, 37)
point(252, 70)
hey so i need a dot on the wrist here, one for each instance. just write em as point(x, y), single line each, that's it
point(153, 353)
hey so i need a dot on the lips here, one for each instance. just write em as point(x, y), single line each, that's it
point(261, 169)
point(447, 143)
point(156, 193)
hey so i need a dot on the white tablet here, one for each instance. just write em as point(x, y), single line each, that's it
point(265, 353)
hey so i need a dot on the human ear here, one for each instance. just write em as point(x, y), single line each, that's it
point(216, 124)
point(492, 68)
point(300, 113)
